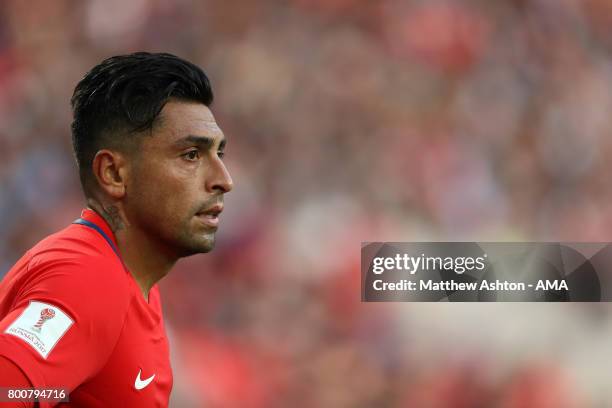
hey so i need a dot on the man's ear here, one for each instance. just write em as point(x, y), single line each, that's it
point(110, 169)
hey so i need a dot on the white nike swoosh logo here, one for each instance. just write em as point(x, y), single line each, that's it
point(140, 384)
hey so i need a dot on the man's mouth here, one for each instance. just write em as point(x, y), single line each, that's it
point(210, 216)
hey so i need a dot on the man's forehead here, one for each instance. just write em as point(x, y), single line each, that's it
point(183, 118)
point(210, 125)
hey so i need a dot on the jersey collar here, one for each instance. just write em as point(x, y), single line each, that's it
point(90, 215)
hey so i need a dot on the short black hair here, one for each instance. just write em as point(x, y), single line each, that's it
point(123, 96)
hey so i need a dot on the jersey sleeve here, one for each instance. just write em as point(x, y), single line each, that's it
point(66, 320)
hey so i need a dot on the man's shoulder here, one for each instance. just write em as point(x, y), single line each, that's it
point(73, 241)
point(76, 246)
point(74, 260)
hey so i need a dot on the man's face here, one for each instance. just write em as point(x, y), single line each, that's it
point(177, 180)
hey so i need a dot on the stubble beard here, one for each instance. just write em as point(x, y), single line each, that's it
point(199, 242)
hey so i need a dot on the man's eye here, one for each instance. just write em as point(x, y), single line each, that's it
point(192, 155)
point(221, 154)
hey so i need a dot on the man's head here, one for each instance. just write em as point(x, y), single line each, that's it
point(148, 145)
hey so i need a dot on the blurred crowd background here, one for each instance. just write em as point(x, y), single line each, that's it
point(348, 121)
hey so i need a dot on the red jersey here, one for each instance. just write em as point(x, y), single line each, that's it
point(72, 316)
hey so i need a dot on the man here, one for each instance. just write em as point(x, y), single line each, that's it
point(81, 309)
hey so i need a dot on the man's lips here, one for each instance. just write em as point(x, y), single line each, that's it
point(210, 216)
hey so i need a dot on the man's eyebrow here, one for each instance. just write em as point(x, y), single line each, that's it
point(204, 142)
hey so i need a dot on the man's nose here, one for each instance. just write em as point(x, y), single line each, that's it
point(219, 180)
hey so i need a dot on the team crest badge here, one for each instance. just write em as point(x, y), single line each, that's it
point(40, 325)
point(45, 315)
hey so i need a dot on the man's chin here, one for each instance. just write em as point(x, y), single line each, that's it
point(199, 246)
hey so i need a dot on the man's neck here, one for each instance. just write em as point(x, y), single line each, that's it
point(146, 261)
